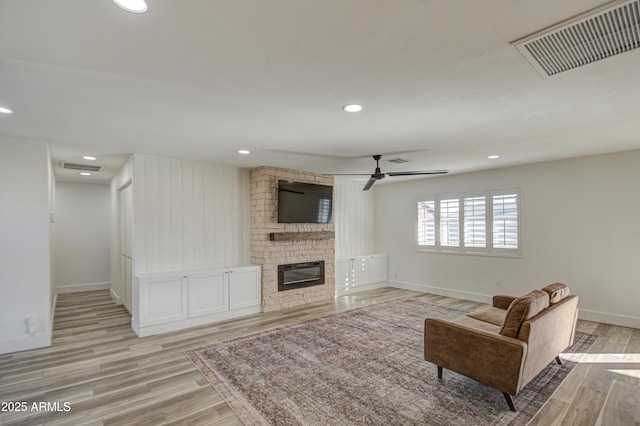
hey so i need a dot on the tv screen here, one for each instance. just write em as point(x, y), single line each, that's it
point(304, 202)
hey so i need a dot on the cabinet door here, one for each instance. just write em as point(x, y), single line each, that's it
point(244, 287)
point(208, 293)
point(343, 274)
point(163, 299)
point(378, 268)
point(360, 270)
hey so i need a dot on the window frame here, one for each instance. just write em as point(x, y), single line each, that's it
point(489, 249)
point(487, 226)
point(426, 247)
point(446, 248)
point(507, 252)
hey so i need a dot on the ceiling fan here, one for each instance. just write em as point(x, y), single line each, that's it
point(378, 175)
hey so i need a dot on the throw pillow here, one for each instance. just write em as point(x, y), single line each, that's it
point(557, 292)
point(522, 309)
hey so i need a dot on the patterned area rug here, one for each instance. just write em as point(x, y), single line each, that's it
point(363, 367)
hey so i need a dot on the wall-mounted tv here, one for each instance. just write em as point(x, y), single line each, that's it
point(300, 202)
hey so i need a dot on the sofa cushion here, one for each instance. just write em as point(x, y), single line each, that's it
point(523, 308)
point(557, 292)
point(491, 315)
point(474, 323)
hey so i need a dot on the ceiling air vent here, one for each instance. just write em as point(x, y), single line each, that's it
point(397, 160)
point(592, 36)
point(79, 166)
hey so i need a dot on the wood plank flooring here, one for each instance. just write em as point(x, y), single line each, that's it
point(108, 376)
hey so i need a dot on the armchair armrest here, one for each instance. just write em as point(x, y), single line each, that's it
point(489, 358)
point(502, 301)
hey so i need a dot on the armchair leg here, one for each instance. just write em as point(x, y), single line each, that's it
point(509, 399)
point(439, 372)
point(558, 360)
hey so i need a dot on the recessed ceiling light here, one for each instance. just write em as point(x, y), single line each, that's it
point(85, 173)
point(493, 157)
point(5, 110)
point(135, 6)
point(352, 108)
point(244, 151)
point(90, 158)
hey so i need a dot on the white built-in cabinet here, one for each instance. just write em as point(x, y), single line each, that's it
point(208, 292)
point(358, 273)
point(174, 300)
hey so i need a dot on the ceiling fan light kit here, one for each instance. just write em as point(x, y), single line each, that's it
point(378, 175)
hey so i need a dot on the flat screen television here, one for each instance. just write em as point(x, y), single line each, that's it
point(300, 202)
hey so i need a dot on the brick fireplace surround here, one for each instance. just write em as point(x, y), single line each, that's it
point(270, 254)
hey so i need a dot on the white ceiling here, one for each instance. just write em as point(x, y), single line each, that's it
point(200, 79)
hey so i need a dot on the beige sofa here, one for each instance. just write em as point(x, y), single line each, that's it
point(508, 344)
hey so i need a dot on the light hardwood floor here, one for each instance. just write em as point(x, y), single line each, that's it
point(111, 377)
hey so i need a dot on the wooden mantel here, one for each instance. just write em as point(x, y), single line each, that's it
point(300, 236)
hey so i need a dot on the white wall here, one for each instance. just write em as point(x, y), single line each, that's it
point(354, 218)
point(189, 215)
point(51, 185)
point(25, 278)
point(580, 226)
point(82, 237)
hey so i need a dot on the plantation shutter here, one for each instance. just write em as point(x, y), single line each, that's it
point(450, 222)
point(426, 223)
point(475, 222)
point(505, 221)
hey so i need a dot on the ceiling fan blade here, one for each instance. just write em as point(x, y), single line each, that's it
point(426, 172)
point(347, 174)
point(369, 184)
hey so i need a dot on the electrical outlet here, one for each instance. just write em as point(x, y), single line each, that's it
point(30, 325)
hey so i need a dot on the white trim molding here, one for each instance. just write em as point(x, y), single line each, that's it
point(424, 288)
point(607, 318)
point(583, 314)
point(25, 343)
point(75, 288)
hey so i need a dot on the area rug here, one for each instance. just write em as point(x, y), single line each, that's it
point(363, 367)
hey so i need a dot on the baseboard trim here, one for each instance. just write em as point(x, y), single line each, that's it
point(458, 294)
point(40, 340)
point(114, 296)
point(75, 288)
point(150, 330)
point(357, 289)
point(604, 317)
point(584, 314)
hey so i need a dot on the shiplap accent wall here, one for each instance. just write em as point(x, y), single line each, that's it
point(189, 215)
point(354, 217)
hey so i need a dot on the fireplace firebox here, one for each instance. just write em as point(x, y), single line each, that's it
point(298, 275)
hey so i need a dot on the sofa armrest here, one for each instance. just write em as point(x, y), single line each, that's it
point(489, 358)
point(502, 301)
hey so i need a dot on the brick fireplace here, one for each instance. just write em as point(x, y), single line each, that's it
point(293, 242)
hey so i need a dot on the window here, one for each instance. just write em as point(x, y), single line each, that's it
point(475, 222)
point(485, 222)
point(426, 223)
point(505, 221)
point(450, 223)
